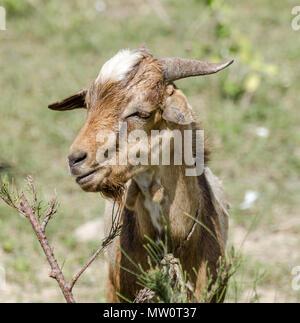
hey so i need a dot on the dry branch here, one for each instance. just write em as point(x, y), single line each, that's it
point(32, 213)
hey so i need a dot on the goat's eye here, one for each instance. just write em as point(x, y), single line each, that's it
point(141, 114)
point(144, 115)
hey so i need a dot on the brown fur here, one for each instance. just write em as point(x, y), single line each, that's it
point(144, 89)
point(200, 252)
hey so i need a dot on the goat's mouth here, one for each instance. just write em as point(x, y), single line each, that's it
point(85, 178)
point(99, 180)
point(93, 180)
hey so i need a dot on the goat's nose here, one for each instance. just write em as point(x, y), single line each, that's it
point(77, 159)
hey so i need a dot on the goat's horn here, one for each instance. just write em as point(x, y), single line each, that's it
point(176, 68)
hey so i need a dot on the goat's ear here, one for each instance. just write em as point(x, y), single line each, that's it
point(177, 109)
point(74, 101)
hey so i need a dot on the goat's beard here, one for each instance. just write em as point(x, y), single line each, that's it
point(112, 184)
point(112, 187)
point(112, 190)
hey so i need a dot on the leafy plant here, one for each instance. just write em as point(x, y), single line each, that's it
point(166, 282)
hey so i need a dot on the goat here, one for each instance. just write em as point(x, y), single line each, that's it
point(135, 88)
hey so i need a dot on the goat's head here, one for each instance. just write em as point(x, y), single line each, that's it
point(133, 89)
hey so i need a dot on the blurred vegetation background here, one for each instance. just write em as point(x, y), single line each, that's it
point(249, 112)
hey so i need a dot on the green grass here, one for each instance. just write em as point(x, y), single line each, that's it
point(53, 48)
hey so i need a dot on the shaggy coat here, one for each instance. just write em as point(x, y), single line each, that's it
point(136, 88)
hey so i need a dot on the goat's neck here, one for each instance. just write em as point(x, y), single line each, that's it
point(166, 192)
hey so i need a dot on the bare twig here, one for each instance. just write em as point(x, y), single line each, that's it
point(114, 231)
point(56, 272)
point(51, 211)
point(6, 197)
point(32, 213)
point(81, 271)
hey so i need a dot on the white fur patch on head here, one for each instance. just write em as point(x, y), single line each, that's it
point(118, 66)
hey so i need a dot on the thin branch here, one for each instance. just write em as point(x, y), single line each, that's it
point(82, 270)
point(32, 189)
point(51, 211)
point(5, 195)
point(114, 232)
point(56, 272)
point(32, 213)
